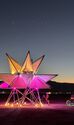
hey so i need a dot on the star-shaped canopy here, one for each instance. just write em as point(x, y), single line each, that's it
point(27, 80)
point(25, 76)
point(28, 65)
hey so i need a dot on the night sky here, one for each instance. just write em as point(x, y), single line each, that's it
point(43, 27)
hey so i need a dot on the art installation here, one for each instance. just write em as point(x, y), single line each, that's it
point(25, 77)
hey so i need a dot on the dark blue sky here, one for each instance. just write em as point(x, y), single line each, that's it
point(43, 27)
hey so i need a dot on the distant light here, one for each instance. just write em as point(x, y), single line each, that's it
point(49, 93)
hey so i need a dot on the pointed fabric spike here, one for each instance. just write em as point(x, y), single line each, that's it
point(8, 78)
point(37, 63)
point(37, 83)
point(27, 65)
point(46, 77)
point(14, 66)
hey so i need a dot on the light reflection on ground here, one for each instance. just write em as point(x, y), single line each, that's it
point(60, 106)
point(52, 114)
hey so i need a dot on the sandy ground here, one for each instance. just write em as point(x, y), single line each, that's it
point(54, 114)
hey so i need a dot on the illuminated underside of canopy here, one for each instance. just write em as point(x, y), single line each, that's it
point(27, 80)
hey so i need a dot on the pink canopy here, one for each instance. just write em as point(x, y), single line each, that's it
point(4, 85)
point(26, 80)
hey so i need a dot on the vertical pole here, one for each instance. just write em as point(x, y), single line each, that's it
point(10, 96)
point(14, 93)
point(39, 97)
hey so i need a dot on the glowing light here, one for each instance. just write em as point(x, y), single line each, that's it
point(38, 105)
point(49, 93)
point(12, 105)
point(14, 88)
point(6, 104)
point(20, 105)
point(4, 85)
point(41, 104)
point(25, 77)
point(17, 103)
point(25, 103)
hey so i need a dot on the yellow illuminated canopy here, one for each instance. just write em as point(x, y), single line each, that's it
point(37, 63)
point(25, 76)
point(28, 65)
point(14, 66)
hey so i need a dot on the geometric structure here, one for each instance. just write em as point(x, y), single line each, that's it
point(22, 81)
point(25, 77)
point(39, 81)
point(27, 66)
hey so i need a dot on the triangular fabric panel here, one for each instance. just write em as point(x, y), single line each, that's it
point(8, 78)
point(27, 65)
point(37, 83)
point(14, 66)
point(27, 78)
point(46, 77)
point(37, 63)
point(22, 80)
point(19, 82)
